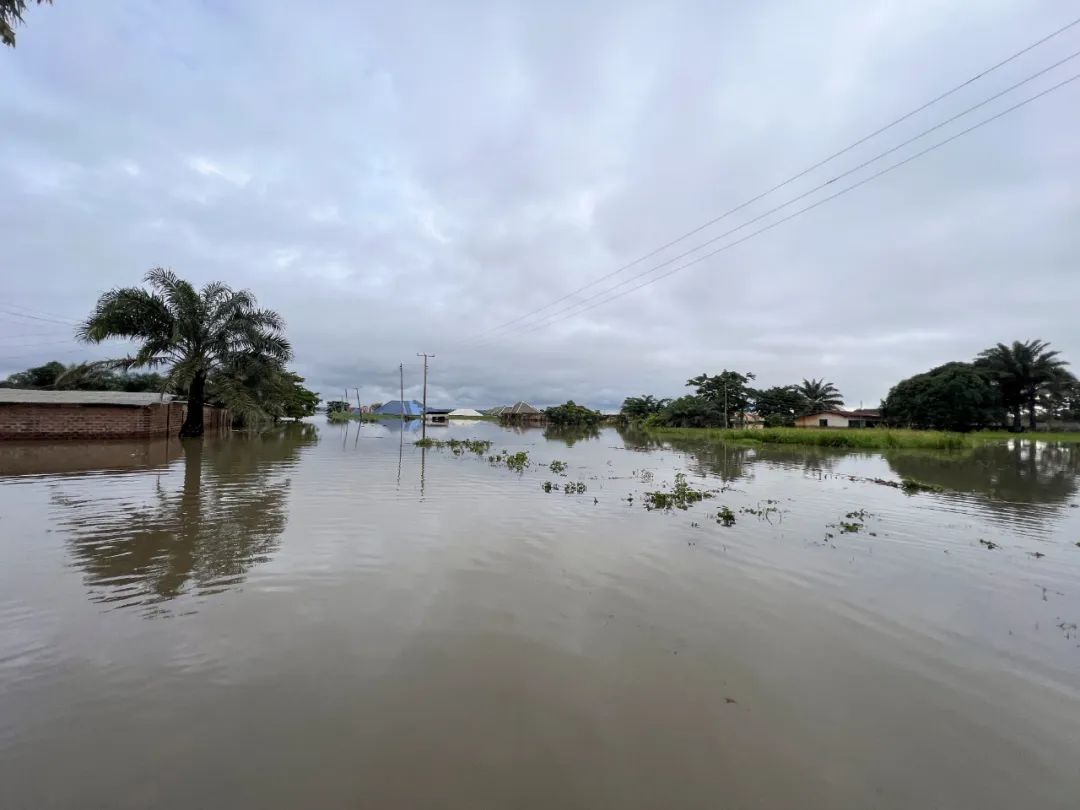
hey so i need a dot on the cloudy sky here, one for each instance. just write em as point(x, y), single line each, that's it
point(405, 177)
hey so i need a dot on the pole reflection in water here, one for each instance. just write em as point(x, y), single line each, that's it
point(195, 536)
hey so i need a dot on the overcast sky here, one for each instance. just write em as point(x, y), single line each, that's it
point(400, 177)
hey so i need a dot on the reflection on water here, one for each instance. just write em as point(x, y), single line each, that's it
point(570, 434)
point(60, 457)
point(1012, 475)
point(200, 534)
point(419, 629)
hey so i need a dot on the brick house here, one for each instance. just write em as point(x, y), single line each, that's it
point(28, 414)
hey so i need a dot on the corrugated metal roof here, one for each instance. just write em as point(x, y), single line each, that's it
point(31, 397)
point(395, 408)
point(519, 408)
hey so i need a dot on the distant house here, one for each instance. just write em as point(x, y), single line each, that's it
point(396, 407)
point(521, 412)
point(747, 420)
point(858, 418)
point(465, 413)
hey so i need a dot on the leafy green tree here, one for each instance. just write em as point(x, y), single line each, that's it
point(87, 376)
point(39, 377)
point(1023, 372)
point(690, 411)
point(819, 395)
point(1062, 400)
point(779, 405)
point(639, 408)
point(336, 406)
point(298, 401)
point(11, 14)
point(728, 391)
point(955, 396)
point(570, 413)
point(214, 333)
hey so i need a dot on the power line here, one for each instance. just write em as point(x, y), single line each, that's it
point(39, 312)
point(802, 196)
point(38, 318)
point(812, 206)
point(784, 183)
point(35, 344)
point(45, 333)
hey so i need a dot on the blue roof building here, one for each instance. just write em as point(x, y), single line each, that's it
point(396, 408)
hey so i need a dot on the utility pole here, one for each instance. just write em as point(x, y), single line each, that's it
point(359, 407)
point(401, 402)
point(423, 425)
point(726, 425)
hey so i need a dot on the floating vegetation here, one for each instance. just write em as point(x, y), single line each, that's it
point(515, 461)
point(990, 544)
point(458, 446)
point(1038, 555)
point(725, 516)
point(853, 523)
point(680, 496)
point(765, 510)
point(911, 486)
point(557, 466)
point(547, 486)
point(574, 489)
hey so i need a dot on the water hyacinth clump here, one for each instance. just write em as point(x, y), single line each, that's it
point(681, 496)
point(458, 446)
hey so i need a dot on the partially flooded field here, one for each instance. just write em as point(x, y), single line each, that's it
point(330, 616)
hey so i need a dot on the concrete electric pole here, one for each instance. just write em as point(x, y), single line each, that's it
point(423, 425)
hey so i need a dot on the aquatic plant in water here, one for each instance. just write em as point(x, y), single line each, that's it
point(557, 466)
point(725, 516)
point(681, 496)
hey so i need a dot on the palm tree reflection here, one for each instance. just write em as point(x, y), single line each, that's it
point(226, 516)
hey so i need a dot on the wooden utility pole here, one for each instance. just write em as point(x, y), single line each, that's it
point(423, 425)
point(401, 402)
point(359, 407)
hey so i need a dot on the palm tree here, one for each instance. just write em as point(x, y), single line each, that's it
point(1023, 372)
point(819, 396)
point(201, 336)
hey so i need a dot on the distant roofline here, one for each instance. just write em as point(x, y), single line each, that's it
point(131, 399)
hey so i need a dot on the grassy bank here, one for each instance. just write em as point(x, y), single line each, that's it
point(866, 439)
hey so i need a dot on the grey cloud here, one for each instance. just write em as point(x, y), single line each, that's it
point(400, 179)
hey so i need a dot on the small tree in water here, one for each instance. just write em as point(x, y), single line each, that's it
point(197, 334)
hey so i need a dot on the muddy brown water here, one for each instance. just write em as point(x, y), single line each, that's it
point(328, 616)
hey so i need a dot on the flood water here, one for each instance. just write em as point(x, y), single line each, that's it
point(327, 616)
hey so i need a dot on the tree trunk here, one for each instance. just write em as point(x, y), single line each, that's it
point(193, 422)
point(1031, 413)
point(1017, 425)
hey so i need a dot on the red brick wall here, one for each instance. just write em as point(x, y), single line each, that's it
point(25, 421)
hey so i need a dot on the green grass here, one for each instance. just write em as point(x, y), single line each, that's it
point(851, 438)
point(864, 438)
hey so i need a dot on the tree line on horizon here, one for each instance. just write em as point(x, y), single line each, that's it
point(723, 400)
point(1001, 386)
